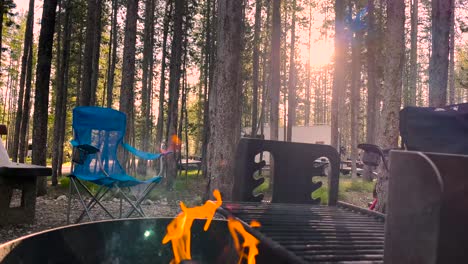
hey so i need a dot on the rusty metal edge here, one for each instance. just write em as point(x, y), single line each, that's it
point(358, 209)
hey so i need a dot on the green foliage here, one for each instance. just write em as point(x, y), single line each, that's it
point(188, 189)
point(357, 186)
point(347, 185)
point(462, 67)
point(64, 182)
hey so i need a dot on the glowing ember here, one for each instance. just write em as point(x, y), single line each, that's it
point(250, 242)
point(174, 145)
point(178, 231)
point(176, 140)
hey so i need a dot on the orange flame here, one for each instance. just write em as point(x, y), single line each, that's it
point(236, 228)
point(175, 144)
point(176, 140)
point(178, 231)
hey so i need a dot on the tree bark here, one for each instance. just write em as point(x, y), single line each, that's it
point(308, 69)
point(80, 67)
point(256, 58)
point(96, 53)
point(92, 30)
point(41, 98)
point(162, 84)
point(339, 75)
point(355, 98)
point(61, 99)
point(225, 107)
point(145, 94)
point(275, 70)
point(208, 82)
point(438, 65)
point(372, 82)
point(23, 144)
point(394, 61)
point(413, 54)
point(373, 36)
point(28, 38)
point(113, 43)
point(128, 68)
point(292, 77)
point(451, 73)
point(174, 89)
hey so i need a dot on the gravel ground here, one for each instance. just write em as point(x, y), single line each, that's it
point(51, 212)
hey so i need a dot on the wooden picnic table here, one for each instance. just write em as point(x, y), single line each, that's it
point(23, 177)
point(185, 164)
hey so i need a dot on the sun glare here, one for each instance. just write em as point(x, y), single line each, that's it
point(321, 53)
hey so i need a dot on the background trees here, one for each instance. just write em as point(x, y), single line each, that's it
point(300, 62)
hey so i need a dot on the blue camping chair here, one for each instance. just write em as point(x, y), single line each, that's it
point(98, 133)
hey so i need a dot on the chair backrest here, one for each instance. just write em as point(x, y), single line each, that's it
point(429, 129)
point(103, 128)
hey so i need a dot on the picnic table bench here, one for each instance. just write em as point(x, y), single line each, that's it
point(186, 164)
point(22, 177)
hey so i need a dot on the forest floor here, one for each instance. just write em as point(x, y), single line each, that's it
point(51, 209)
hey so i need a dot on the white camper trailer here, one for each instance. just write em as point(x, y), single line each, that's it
point(316, 134)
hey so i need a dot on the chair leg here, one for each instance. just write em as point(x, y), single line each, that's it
point(97, 197)
point(142, 197)
point(135, 208)
point(81, 201)
point(69, 200)
point(97, 200)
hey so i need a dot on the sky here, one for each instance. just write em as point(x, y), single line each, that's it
point(23, 4)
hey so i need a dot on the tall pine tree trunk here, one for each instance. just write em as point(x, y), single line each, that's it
point(225, 105)
point(355, 98)
point(28, 39)
point(256, 58)
point(128, 68)
point(394, 61)
point(41, 98)
point(413, 53)
point(209, 47)
point(113, 55)
point(275, 70)
point(308, 69)
point(339, 75)
point(451, 73)
point(61, 99)
point(174, 89)
point(145, 93)
point(372, 82)
point(96, 53)
point(292, 77)
point(162, 85)
point(23, 144)
point(439, 62)
point(92, 30)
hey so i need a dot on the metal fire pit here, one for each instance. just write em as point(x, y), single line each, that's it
point(129, 241)
point(120, 241)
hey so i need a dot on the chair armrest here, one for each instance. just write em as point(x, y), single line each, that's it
point(142, 154)
point(82, 151)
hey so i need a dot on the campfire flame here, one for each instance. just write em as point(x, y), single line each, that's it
point(179, 231)
point(236, 228)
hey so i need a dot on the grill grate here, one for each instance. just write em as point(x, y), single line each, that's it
point(319, 234)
